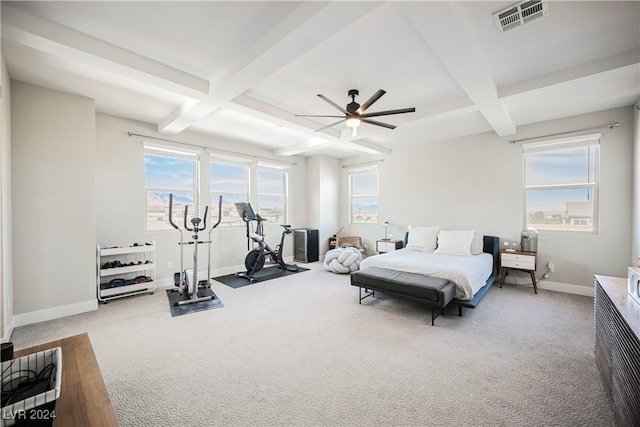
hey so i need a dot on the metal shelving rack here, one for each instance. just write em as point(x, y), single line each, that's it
point(144, 259)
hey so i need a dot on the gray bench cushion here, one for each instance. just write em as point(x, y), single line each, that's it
point(438, 292)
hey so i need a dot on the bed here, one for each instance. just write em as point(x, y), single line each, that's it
point(473, 271)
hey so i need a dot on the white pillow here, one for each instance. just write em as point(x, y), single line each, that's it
point(423, 239)
point(455, 242)
point(477, 244)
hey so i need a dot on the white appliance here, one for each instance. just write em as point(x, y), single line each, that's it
point(634, 283)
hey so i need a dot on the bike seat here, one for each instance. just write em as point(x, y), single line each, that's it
point(285, 225)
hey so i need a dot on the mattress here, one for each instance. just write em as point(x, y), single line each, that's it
point(469, 273)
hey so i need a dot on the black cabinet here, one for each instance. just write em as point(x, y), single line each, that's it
point(305, 245)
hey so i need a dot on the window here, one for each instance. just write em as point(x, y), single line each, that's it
point(561, 184)
point(272, 193)
point(363, 194)
point(176, 171)
point(229, 179)
point(168, 171)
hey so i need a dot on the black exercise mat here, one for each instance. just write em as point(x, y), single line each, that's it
point(263, 275)
point(179, 310)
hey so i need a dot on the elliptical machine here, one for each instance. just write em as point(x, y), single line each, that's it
point(187, 279)
point(255, 259)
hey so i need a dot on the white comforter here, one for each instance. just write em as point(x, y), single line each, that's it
point(469, 273)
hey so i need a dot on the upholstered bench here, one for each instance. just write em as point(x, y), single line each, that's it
point(435, 292)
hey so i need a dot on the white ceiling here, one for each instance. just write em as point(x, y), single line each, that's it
point(242, 70)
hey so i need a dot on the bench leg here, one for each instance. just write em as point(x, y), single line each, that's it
point(369, 294)
point(434, 315)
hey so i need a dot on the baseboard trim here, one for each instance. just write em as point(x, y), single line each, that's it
point(566, 288)
point(8, 331)
point(54, 313)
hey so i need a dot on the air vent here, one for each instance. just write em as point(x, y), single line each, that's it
point(520, 14)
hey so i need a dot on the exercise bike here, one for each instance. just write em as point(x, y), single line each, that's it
point(256, 257)
point(187, 279)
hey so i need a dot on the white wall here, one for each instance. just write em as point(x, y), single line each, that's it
point(323, 197)
point(53, 155)
point(121, 200)
point(475, 182)
point(6, 275)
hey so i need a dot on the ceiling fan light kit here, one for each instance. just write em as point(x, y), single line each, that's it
point(355, 114)
point(353, 122)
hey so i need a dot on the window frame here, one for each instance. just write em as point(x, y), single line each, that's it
point(213, 201)
point(592, 183)
point(273, 167)
point(202, 193)
point(175, 153)
point(362, 171)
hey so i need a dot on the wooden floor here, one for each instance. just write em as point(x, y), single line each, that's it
point(84, 400)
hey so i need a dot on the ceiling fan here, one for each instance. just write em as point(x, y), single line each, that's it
point(355, 114)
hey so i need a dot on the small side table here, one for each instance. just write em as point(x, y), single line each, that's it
point(518, 260)
point(383, 246)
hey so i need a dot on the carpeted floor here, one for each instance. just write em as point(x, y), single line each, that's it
point(301, 351)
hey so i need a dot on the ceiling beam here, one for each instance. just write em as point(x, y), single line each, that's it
point(249, 105)
point(306, 27)
point(611, 65)
point(370, 147)
point(258, 109)
point(55, 39)
point(303, 147)
point(449, 36)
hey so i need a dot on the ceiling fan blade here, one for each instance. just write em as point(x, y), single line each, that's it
point(373, 122)
point(316, 115)
point(333, 103)
point(332, 124)
point(370, 101)
point(389, 112)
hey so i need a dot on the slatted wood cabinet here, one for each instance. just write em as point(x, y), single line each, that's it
point(617, 346)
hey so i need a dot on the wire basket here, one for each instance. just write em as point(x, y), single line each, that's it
point(30, 388)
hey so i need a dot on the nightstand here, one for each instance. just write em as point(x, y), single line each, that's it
point(383, 246)
point(524, 261)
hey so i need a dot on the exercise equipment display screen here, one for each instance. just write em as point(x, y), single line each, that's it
point(245, 210)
